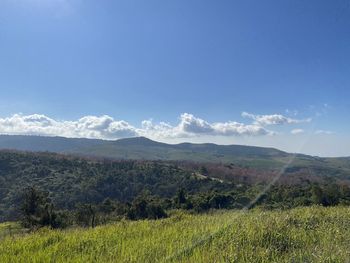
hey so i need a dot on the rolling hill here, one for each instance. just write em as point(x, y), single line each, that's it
point(143, 148)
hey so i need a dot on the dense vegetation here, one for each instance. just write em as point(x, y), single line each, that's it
point(89, 192)
point(73, 181)
point(312, 234)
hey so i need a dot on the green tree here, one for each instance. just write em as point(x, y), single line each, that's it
point(86, 215)
point(144, 207)
point(37, 209)
point(180, 198)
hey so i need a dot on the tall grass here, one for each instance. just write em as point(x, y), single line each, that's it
point(10, 229)
point(312, 234)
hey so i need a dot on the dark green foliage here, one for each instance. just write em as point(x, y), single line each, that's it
point(180, 198)
point(107, 206)
point(328, 195)
point(143, 207)
point(203, 170)
point(71, 181)
point(37, 210)
point(220, 201)
point(85, 215)
point(90, 192)
point(201, 203)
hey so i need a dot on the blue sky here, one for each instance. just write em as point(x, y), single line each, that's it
point(140, 60)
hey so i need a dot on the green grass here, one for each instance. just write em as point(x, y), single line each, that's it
point(10, 229)
point(312, 234)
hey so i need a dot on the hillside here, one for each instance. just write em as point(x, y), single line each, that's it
point(72, 180)
point(312, 234)
point(141, 148)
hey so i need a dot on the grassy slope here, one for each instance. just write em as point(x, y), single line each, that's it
point(10, 229)
point(300, 235)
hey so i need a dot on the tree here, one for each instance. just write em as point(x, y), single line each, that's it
point(327, 196)
point(201, 203)
point(144, 207)
point(86, 215)
point(203, 170)
point(138, 209)
point(220, 201)
point(180, 198)
point(332, 193)
point(107, 206)
point(316, 194)
point(37, 209)
point(155, 211)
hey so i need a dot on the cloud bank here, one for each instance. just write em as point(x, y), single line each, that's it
point(103, 127)
point(190, 126)
point(274, 119)
point(106, 127)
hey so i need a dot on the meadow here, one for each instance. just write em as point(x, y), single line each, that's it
point(313, 234)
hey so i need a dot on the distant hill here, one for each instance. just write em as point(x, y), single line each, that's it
point(141, 148)
point(42, 144)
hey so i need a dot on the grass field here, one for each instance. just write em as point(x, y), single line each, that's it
point(10, 229)
point(312, 234)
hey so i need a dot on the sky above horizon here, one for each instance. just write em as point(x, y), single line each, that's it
point(266, 73)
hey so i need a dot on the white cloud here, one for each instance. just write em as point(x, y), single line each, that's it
point(191, 126)
point(106, 127)
point(297, 131)
point(274, 119)
point(161, 130)
point(324, 132)
point(236, 128)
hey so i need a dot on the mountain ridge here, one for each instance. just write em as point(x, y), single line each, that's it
point(143, 148)
point(27, 142)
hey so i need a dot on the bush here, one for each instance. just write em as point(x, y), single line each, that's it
point(145, 208)
point(38, 211)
